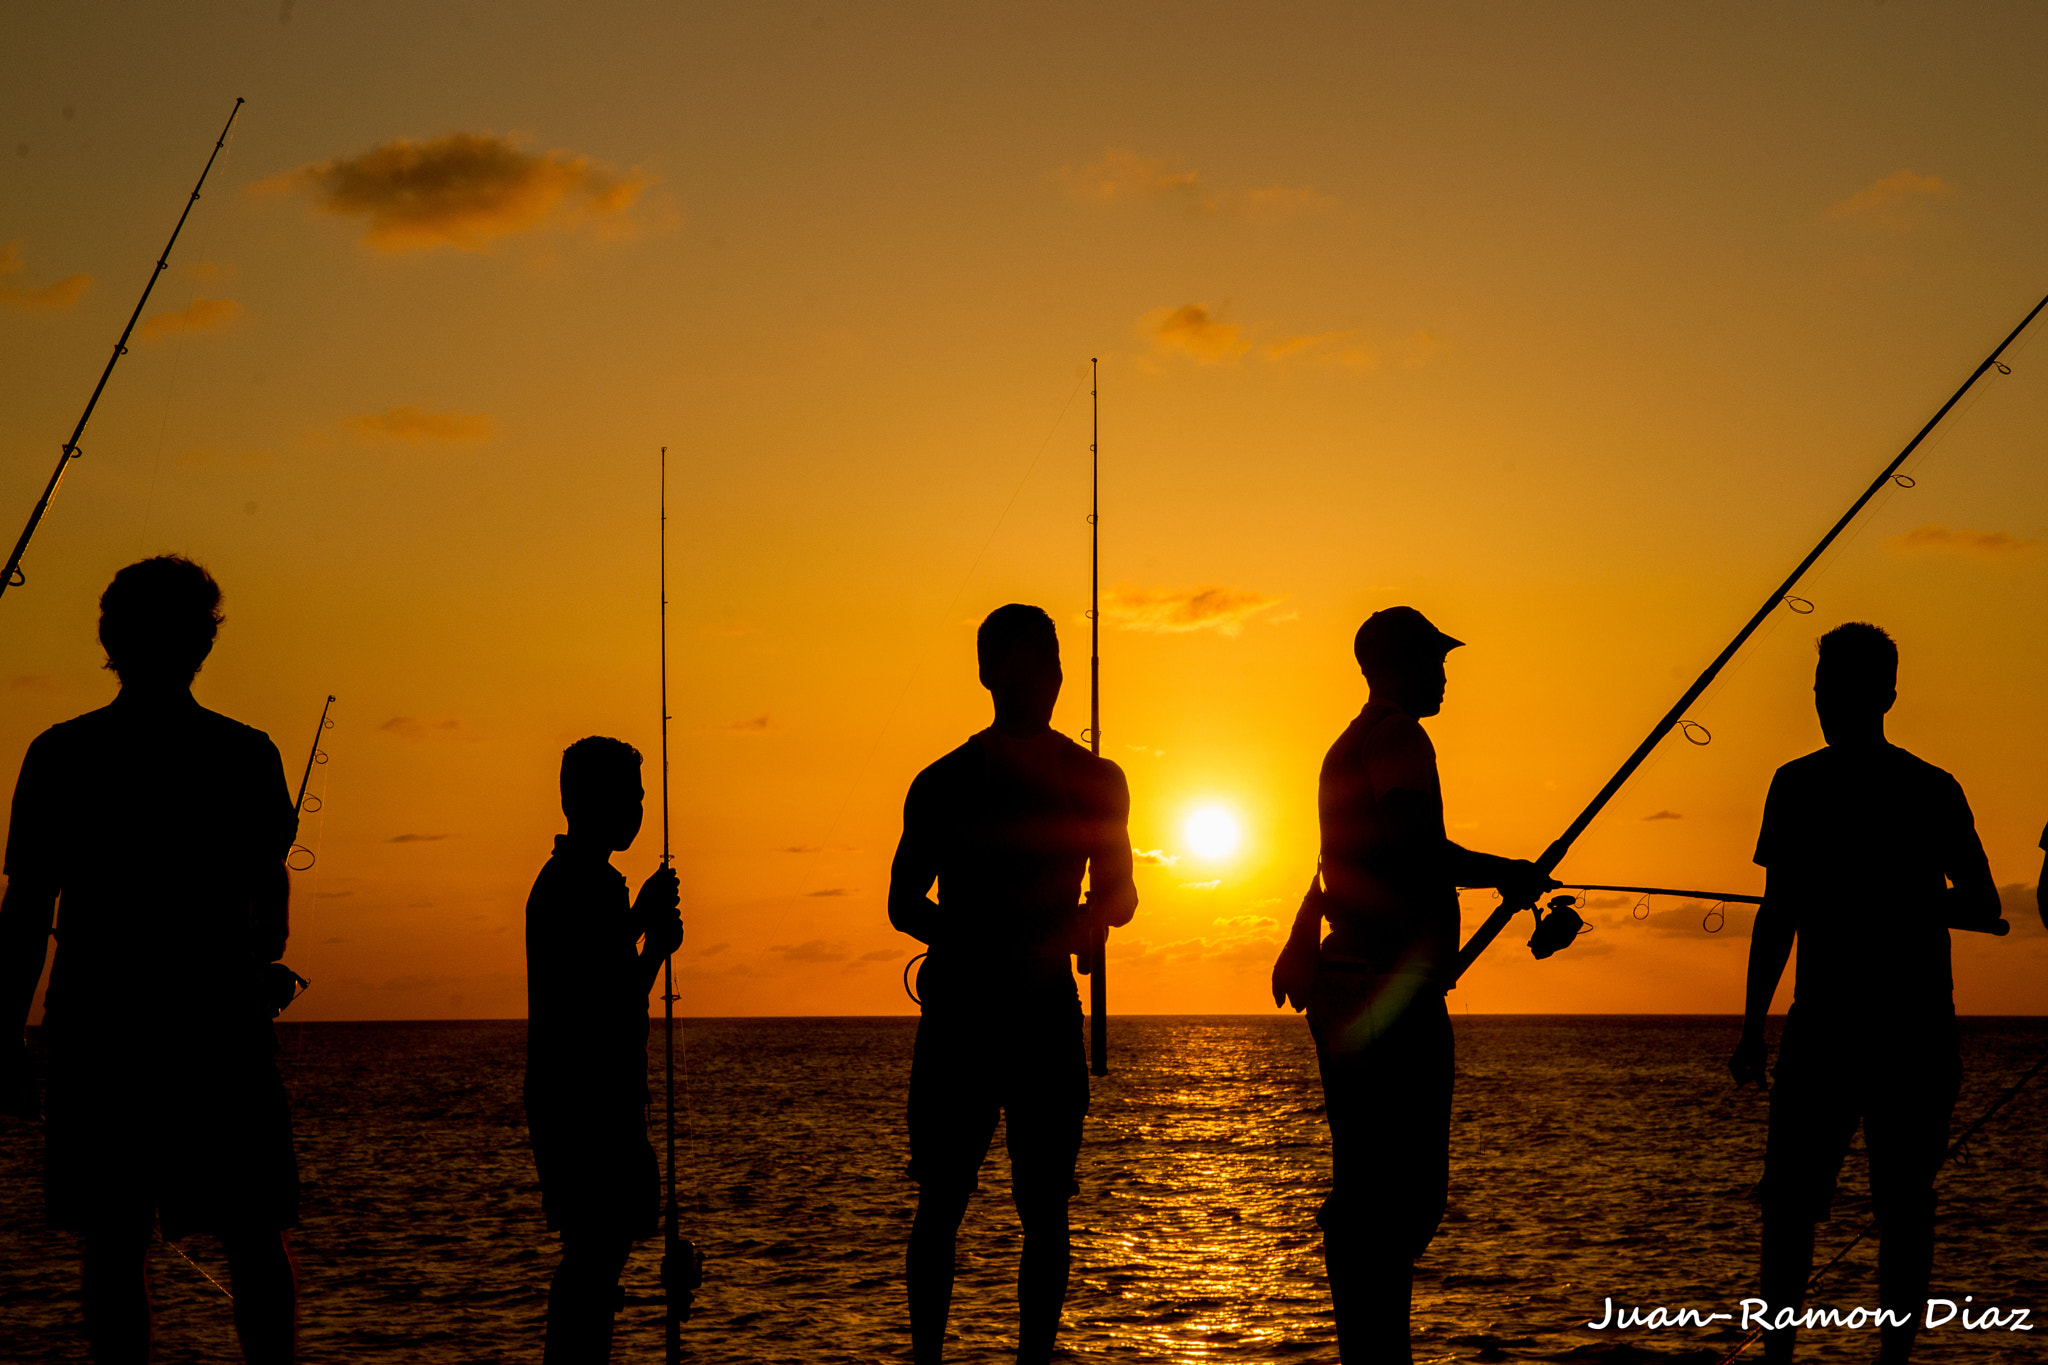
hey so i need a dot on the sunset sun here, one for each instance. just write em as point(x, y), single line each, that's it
point(1212, 832)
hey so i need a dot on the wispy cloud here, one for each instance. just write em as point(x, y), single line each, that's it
point(1892, 199)
point(811, 950)
point(1349, 350)
point(45, 684)
point(1193, 331)
point(416, 425)
point(420, 728)
point(1976, 544)
point(881, 954)
point(1201, 886)
point(417, 838)
point(1122, 174)
point(1663, 815)
point(750, 725)
point(1154, 857)
point(464, 190)
point(1177, 611)
point(1146, 750)
point(832, 891)
point(208, 272)
point(49, 298)
point(202, 315)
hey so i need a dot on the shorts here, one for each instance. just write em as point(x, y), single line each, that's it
point(1029, 1069)
point(1384, 1047)
point(1901, 1091)
point(598, 1174)
point(191, 1132)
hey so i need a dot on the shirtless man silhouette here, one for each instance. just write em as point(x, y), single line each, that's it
point(156, 830)
point(1006, 824)
point(1869, 854)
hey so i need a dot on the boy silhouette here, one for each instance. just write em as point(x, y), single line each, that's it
point(155, 832)
point(586, 1043)
point(1869, 854)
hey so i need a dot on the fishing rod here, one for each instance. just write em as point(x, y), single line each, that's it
point(682, 1267)
point(1958, 1151)
point(1098, 972)
point(12, 576)
point(299, 807)
point(1556, 929)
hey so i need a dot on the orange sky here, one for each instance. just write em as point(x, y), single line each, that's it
point(1573, 327)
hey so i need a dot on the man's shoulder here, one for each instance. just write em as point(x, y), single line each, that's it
point(1828, 765)
point(949, 767)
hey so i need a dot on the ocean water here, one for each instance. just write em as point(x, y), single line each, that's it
point(1594, 1157)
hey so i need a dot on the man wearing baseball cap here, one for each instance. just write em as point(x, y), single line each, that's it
point(1374, 989)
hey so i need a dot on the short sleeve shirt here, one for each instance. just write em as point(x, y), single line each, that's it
point(1863, 842)
point(586, 1033)
point(158, 826)
point(1390, 901)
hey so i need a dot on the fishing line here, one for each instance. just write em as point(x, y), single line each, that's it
point(919, 666)
point(202, 1271)
point(1958, 1152)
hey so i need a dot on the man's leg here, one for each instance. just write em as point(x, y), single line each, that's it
point(1787, 1261)
point(952, 1119)
point(266, 1286)
point(116, 1291)
point(1907, 1133)
point(1812, 1122)
point(1042, 1275)
point(928, 1268)
point(584, 1297)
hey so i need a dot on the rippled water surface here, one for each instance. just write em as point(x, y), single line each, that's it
point(1594, 1156)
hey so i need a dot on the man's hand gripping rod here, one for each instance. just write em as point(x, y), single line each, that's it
point(1554, 855)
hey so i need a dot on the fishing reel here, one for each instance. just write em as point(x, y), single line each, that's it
point(682, 1274)
point(280, 986)
point(1557, 924)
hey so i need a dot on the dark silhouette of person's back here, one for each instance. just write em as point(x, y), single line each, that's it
point(162, 829)
point(586, 1043)
point(1006, 825)
point(1870, 855)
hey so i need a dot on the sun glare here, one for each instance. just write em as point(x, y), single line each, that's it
point(1211, 832)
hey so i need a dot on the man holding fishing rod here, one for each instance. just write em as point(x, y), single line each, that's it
point(1374, 989)
point(1871, 855)
point(586, 1043)
point(162, 827)
point(1007, 824)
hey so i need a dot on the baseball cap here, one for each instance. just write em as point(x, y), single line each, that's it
point(1398, 634)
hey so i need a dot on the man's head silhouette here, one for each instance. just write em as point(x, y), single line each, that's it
point(601, 791)
point(1855, 682)
point(1402, 656)
point(158, 619)
point(1019, 653)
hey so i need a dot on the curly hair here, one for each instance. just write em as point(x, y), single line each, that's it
point(158, 619)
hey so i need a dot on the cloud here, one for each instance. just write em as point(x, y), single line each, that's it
point(812, 950)
point(1154, 857)
point(1663, 815)
point(416, 425)
point(1125, 175)
point(2016, 902)
point(1248, 924)
point(416, 727)
point(1193, 331)
point(1144, 749)
point(464, 190)
point(1891, 199)
point(50, 298)
point(1975, 544)
point(751, 725)
point(1176, 611)
point(832, 891)
point(417, 838)
point(203, 315)
point(1201, 886)
point(881, 955)
point(43, 684)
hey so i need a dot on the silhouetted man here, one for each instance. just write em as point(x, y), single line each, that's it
point(1374, 989)
point(158, 830)
point(2041, 882)
point(586, 1043)
point(1006, 824)
point(1869, 855)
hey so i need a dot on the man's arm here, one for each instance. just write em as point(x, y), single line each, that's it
point(1112, 894)
point(26, 913)
point(915, 868)
point(2041, 882)
point(1770, 946)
